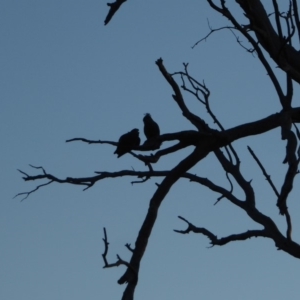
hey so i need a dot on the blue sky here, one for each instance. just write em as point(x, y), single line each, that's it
point(65, 75)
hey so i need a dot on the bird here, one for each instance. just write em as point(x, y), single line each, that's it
point(151, 128)
point(128, 142)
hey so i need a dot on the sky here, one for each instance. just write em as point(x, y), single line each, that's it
point(65, 75)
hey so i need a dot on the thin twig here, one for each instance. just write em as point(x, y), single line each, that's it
point(267, 176)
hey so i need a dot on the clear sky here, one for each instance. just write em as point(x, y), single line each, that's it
point(65, 75)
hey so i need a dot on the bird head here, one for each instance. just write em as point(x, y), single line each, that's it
point(135, 130)
point(147, 116)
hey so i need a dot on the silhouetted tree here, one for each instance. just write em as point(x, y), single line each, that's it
point(271, 34)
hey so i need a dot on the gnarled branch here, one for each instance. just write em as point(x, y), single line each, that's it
point(215, 241)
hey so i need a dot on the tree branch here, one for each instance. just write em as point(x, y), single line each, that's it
point(113, 8)
point(296, 16)
point(214, 241)
point(277, 18)
point(92, 141)
point(291, 172)
point(195, 120)
point(255, 45)
point(119, 262)
point(234, 170)
point(155, 202)
point(289, 59)
point(267, 176)
point(211, 143)
point(212, 30)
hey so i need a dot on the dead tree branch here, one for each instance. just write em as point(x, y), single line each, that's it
point(113, 8)
point(293, 162)
point(296, 16)
point(177, 96)
point(267, 176)
point(286, 57)
point(119, 262)
point(212, 30)
point(155, 202)
point(214, 241)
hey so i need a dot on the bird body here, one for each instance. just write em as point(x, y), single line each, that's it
point(151, 128)
point(128, 142)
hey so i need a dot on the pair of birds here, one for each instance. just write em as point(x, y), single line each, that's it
point(131, 139)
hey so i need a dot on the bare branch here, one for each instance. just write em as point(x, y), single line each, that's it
point(89, 181)
point(288, 60)
point(297, 131)
point(289, 225)
point(231, 29)
point(291, 172)
point(234, 170)
point(230, 191)
point(268, 177)
point(211, 32)
point(185, 136)
point(213, 187)
point(113, 8)
point(119, 262)
point(214, 241)
point(277, 18)
point(148, 159)
point(205, 92)
point(32, 191)
point(106, 244)
point(128, 246)
point(260, 32)
point(155, 202)
point(92, 141)
point(147, 177)
point(270, 228)
point(195, 120)
point(207, 142)
point(215, 7)
point(296, 16)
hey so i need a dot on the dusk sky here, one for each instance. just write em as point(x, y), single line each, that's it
point(66, 75)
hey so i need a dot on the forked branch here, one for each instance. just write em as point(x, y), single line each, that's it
point(119, 261)
point(215, 241)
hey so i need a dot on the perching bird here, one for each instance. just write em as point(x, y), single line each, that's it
point(151, 129)
point(113, 8)
point(128, 142)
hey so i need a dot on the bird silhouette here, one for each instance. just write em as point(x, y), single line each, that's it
point(151, 128)
point(128, 142)
point(113, 8)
